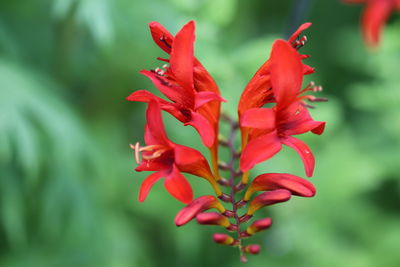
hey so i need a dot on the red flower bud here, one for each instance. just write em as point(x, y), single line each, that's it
point(268, 198)
point(195, 207)
point(212, 218)
point(252, 249)
point(270, 181)
point(224, 239)
point(258, 226)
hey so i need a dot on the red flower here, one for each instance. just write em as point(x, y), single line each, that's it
point(168, 160)
point(258, 91)
point(269, 128)
point(195, 96)
point(374, 17)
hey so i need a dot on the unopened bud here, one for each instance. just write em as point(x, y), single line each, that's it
point(224, 239)
point(259, 225)
point(270, 181)
point(252, 249)
point(268, 198)
point(212, 218)
point(195, 207)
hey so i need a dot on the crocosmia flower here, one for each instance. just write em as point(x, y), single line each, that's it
point(374, 17)
point(270, 128)
point(273, 109)
point(185, 82)
point(168, 159)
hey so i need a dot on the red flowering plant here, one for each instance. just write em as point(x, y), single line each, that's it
point(374, 17)
point(195, 100)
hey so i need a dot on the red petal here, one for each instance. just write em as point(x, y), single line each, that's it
point(258, 91)
point(203, 127)
point(205, 97)
point(177, 185)
point(307, 69)
point(286, 72)
point(271, 181)
point(397, 3)
point(259, 150)
point(175, 93)
point(198, 205)
point(182, 57)
point(298, 31)
point(192, 161)
point(203, 80)
point(146, 96)
point(159, 33)
point(259, 118)
point(161, 163)
point(155, 124)
point(304, 151)
point(148, 184)
point(268, 198)
point(296, 119)
point(375, 15)
point(319, 129)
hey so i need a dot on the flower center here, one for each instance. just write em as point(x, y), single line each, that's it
point(151, 151)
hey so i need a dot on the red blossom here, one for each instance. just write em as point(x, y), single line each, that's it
point(195, 96)
point(270, 128)
point(168, 159)
point(374, 17)
point(258, 91)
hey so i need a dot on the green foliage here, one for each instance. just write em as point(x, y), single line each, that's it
point(67, 186)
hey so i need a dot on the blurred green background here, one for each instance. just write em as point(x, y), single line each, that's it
point(68, 192)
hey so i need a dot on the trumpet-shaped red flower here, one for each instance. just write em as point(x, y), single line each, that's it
point(195, 96)
point(374, 17)
point(259, 91)
point(270, 128)
point(168, 159)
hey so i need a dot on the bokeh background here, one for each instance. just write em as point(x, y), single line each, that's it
point(68, 192)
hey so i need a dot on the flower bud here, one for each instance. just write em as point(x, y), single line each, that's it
point(270, 181)
point(195, 207)
point(212, 218)
point(268, 198)
point(224, 239)
point(252, 249)
point(259, 225)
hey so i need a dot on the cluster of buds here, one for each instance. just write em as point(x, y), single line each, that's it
point(194, 99)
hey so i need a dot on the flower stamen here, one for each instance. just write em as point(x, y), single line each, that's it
point(157, 150)
point(299, 43)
